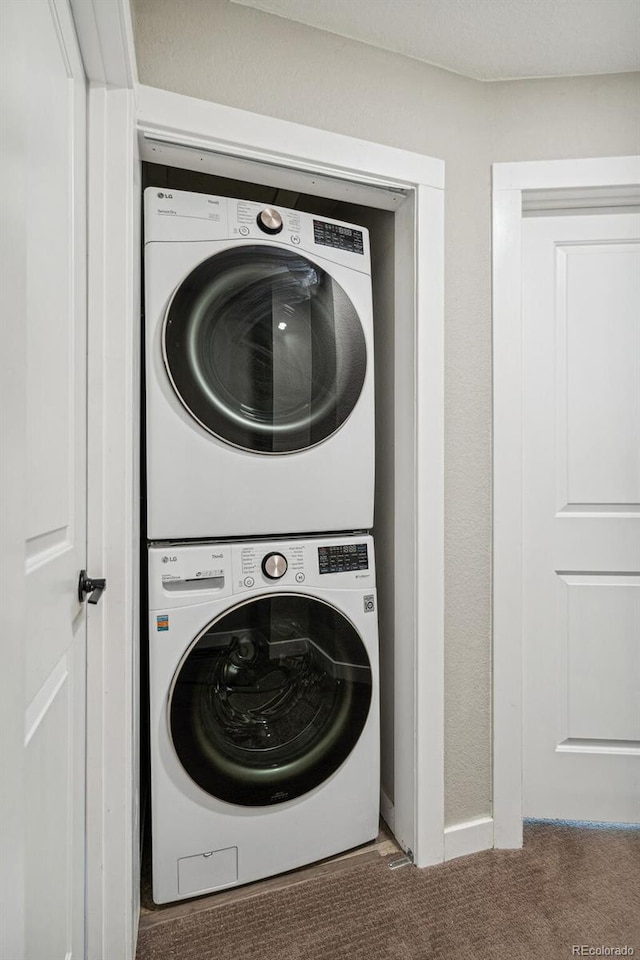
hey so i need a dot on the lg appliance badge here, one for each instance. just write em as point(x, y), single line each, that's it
point(165, 196)
point(169, 559)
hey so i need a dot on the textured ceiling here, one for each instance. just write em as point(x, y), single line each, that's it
point(485, 39)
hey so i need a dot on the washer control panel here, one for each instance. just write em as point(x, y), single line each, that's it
point(344, 562)
point(181, 574)
point(343, 558)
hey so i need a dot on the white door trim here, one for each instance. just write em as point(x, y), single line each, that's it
point(171, 118)
point(113, 844)
point(470, 836)
point(207, 134)
point(512, 183)
point(105, 36)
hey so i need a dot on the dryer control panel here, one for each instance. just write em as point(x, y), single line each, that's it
point(180, 216)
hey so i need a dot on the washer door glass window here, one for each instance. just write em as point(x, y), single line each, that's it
point(265, 349)
point(270, 700)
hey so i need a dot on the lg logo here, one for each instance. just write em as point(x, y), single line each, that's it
point(169, 559)
point(165, 196)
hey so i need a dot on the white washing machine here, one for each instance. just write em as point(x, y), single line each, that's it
point(264, 721)
point(259, 370)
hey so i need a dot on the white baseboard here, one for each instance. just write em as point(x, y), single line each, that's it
point(387, 810)
point(471, 836)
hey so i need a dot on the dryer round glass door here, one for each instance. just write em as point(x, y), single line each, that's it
point(270, 699)
point(264, 349)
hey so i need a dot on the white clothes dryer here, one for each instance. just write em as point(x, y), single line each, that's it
point(259, 370)
point(264, 726)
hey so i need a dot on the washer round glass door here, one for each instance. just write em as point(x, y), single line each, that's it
point(270, 699)
point(264, 349)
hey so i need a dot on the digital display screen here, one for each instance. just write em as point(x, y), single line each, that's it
point(343, 558)
point(342, 238)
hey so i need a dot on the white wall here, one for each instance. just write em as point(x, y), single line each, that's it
point(238, 56)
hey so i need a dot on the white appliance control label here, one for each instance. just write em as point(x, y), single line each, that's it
point(247, 212)
point(249, 560)
point(296, 558)
point(293, 222)
point(246, 575)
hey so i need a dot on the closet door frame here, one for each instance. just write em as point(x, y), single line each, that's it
point(129, 123)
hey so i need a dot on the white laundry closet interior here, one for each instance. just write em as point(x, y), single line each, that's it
point(380, 224)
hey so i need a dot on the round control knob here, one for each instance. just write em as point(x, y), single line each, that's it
point(274, 566)
point(269, 220)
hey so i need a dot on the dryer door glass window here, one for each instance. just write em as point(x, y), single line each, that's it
point(270, 699)
point(264, 349)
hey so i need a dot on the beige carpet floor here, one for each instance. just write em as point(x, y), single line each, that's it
point(567, 888)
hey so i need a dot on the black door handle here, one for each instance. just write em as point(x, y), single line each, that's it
point(95, 587)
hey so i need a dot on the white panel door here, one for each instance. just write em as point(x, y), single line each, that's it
point(581, 517)
point(52, 401)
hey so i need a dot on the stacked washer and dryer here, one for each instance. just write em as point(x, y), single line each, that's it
point(263, 641)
